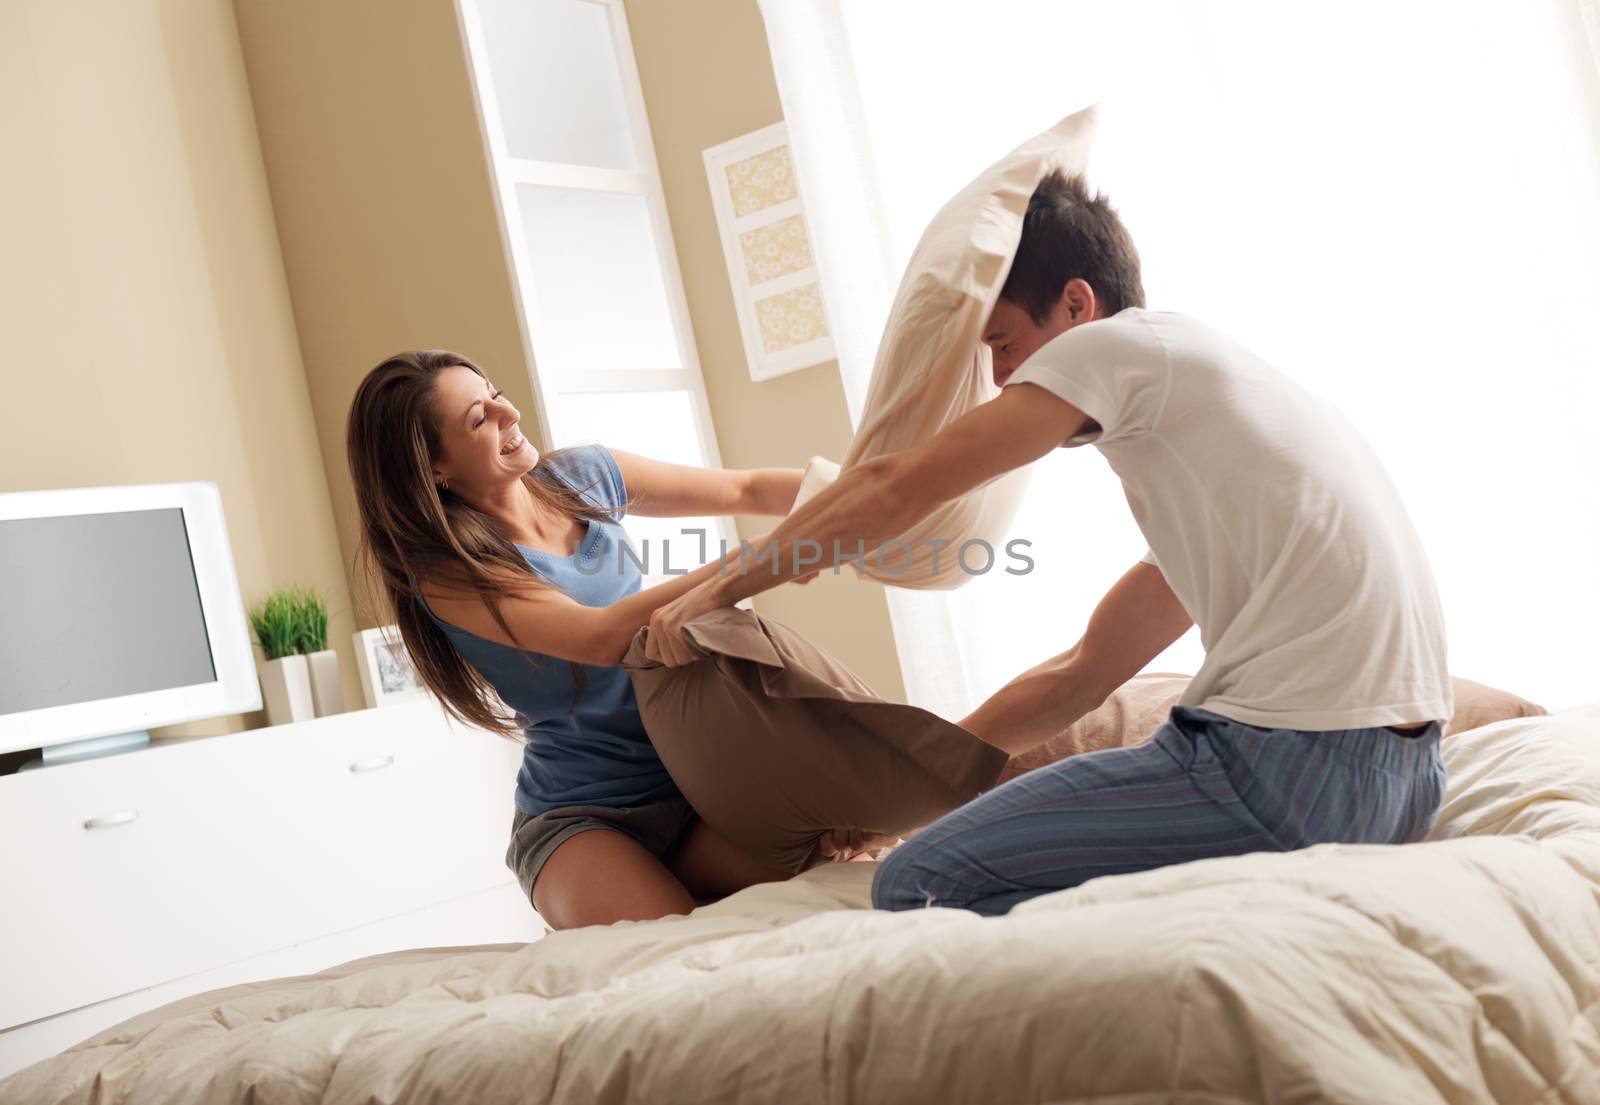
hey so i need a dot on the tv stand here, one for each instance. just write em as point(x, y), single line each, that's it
point(89, 748)
point(133, 881)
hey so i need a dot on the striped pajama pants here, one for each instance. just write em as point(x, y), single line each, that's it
point(1202, 786)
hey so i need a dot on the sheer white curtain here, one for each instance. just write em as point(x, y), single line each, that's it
point(1397, 204)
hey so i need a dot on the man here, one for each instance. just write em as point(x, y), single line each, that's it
point(1317, 712)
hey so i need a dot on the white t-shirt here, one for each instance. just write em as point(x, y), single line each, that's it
point(1271, 519)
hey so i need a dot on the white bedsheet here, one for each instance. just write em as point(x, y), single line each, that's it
point(1464, 969)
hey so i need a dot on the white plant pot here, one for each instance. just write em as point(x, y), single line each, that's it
point(327, 692)
point(286, 687)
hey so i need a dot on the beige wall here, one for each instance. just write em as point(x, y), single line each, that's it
point(147, 322)
point(177, 167)
point(707, 77)
point(383, 199)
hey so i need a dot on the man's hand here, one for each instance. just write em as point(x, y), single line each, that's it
point(666, 643)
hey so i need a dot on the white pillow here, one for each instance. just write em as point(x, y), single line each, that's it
point(932, 366)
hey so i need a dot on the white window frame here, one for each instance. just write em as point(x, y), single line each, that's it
point(508, 172)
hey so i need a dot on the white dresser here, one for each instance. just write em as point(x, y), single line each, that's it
point(133, 880)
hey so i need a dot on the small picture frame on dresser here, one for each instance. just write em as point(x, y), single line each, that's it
point(777, 294)
point(387, 674)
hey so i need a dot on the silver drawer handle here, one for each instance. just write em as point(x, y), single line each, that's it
point(111, 820)
point(373, 764)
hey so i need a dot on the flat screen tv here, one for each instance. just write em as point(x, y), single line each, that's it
point(119, 611)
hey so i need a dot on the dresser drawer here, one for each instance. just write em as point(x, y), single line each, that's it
point(131, 870)
point(388, 819)
point(109, 871)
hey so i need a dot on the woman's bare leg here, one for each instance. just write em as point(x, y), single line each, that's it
point(710, 867)
point(600, 876)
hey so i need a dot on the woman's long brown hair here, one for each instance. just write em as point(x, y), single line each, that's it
point(413, 532)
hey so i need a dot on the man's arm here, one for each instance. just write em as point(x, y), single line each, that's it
point(1133, 623)
point(880, 499)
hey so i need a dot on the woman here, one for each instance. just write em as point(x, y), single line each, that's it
point(506, 577)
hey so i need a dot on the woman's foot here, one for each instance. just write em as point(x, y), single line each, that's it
point(844, 845)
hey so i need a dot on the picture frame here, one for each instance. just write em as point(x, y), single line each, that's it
point(387, 674)
point(766, 245)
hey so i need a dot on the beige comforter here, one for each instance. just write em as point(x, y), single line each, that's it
point(1465, 969)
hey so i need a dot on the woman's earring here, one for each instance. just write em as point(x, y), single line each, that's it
point(444, 485)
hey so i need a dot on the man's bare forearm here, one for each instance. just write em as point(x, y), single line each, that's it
point(882, 498)
point(1037, 705)
point(1138, 618)
point(855, 515)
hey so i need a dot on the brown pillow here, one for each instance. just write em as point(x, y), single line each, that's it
point(1134, 710)
point(772, 741)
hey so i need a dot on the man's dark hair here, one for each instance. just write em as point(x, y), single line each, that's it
point(1068, 233)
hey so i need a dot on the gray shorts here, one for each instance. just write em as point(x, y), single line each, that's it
point(657, 825)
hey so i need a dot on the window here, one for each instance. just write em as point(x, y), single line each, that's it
point(602, 306)
point(1403, 220)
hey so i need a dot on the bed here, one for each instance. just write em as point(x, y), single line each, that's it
point(1462, 969)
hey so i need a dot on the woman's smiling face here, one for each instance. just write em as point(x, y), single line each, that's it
point(481, 444)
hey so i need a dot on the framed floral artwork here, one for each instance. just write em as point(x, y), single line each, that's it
point(768, 253)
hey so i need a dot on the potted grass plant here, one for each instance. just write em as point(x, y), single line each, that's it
point(322, 662)
point(299, 672)
point(277, 623)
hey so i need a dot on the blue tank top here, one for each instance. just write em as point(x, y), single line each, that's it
point(593, 751)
